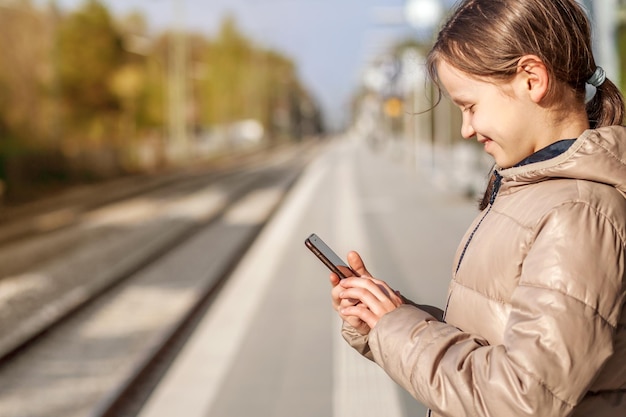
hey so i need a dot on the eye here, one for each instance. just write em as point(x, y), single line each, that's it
point(469, 109)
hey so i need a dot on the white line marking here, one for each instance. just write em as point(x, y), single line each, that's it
point(362, 388)
point(196, 377)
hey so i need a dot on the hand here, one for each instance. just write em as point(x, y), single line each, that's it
point(357, 265)
point(374, 298)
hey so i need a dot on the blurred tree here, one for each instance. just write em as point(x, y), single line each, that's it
point(88, 55)
point(134, 83)
point(26, 76)
point(241, 80)
point(621, 43)
point(228, 59)
point(27, 110)
point(83, 95)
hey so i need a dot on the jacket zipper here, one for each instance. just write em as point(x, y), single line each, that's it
point(494, 192)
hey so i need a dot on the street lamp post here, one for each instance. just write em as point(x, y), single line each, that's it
point(424, 16)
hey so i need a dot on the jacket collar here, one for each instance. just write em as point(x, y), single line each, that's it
point(549, 152)
point(598, 155)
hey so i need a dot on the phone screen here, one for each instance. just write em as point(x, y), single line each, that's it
point(329, 257)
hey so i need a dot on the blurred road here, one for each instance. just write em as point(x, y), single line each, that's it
point(270, 345)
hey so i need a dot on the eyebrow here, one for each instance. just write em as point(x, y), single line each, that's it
point(461, 99)
point(461, 102)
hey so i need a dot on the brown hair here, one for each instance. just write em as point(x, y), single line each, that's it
point(486, 38)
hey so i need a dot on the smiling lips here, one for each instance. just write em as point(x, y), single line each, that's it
point(485, 142)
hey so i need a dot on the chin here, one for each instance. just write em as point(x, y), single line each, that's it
point(502, 161)
point(504, 165)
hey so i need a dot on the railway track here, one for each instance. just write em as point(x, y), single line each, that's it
point(92, 313)
point(66, 208)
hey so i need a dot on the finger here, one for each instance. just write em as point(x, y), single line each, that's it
point(334, 295)
point(369, 300)
point(378, 288)
point(357, 323)
point(348, 302)
point(388, 292)
point(334, 279)
point(362, 313)
point(337, 300)
point(356, 263)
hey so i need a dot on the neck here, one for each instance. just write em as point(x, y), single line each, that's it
point(566, 125)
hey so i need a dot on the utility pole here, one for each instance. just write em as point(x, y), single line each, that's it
point(179, 143)
point(424, 16)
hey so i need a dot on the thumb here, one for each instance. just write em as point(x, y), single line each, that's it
point(356, 263)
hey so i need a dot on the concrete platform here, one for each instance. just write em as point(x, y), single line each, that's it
point(270, 345)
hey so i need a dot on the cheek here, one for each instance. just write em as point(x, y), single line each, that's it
point(495, 125)
point(480, 123)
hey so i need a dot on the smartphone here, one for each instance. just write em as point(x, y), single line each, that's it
point(329, 257)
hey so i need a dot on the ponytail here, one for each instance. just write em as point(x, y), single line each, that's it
point(606, 108)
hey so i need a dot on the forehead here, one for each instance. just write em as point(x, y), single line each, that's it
point(458, 85)
point(462, 87)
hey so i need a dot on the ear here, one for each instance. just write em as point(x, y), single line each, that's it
point(534, 77)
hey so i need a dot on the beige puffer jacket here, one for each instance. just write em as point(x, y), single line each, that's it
point(535, 322)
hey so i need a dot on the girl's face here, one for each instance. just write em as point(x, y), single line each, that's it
point(500, 116)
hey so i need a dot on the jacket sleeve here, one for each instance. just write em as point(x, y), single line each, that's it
point(556, 340)
point(358, 341)
point(361, 342)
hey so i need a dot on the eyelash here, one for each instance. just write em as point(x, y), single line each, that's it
point(469, 109)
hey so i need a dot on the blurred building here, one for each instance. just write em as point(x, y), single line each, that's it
point(395, 111)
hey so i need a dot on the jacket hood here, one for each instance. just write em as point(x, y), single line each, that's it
point(598, 155)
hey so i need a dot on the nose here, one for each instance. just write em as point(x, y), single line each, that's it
point(467, 131)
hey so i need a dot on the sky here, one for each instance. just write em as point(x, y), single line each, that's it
point(329, 40)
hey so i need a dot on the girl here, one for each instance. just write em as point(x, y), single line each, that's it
point(535, 322)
